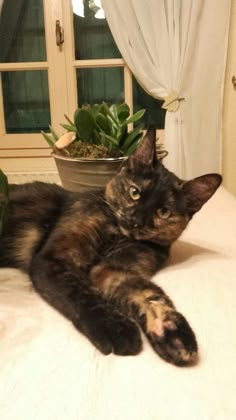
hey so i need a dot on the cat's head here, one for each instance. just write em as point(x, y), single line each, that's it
point(151, 203)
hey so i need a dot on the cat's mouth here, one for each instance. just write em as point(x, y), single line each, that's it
point(125, 226)
point(141, 233)
point(129, 227)
point(134, 231)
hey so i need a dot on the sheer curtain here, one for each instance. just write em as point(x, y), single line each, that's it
point(177, 51)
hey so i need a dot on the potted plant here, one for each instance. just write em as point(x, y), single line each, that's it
point(94, 145)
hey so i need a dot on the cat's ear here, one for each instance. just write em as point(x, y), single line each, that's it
point(146, 151)
point(198, 191)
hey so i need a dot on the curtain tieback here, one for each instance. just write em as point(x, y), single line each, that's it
point(172, 102)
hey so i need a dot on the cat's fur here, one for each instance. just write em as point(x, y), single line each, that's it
point(92, 255)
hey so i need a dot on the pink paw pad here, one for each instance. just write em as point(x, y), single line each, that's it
point(160, 326)
point(170, 325)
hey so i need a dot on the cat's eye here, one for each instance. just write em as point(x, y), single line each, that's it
point(164, 213)
point(134, 192)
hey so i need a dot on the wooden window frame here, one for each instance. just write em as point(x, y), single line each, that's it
point(18, 151)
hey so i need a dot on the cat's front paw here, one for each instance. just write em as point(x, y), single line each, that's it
point(174, 340)
point(114, 334)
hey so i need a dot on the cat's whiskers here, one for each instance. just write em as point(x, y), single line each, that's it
point(125, 232)
point(120, 214)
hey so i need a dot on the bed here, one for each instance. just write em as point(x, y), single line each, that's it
point(50, 371)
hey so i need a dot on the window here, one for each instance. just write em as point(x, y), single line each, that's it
point(25, 92)
point(101, 73)
point(41, 81)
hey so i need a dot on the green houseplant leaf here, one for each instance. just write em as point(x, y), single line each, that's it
point(135, 117)
point(69, 127)
point(54, 134)
point(107, 111)
point(85, 124)
point(114, 112)
point(123, 112)
point(49, 139)
point(103, 122)
point(68, 120)
point(131, 141)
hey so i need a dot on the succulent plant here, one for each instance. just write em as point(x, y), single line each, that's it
point(103, 127)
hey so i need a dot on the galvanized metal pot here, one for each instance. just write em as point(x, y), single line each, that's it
point(85, 174)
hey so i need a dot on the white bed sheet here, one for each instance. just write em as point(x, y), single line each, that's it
point(50, 371)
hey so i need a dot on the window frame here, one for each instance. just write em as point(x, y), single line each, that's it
point(17, 150)
point(30, 150)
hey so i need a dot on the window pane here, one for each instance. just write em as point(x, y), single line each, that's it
point(93, 38)
point(22, 31)
point(26, 101)
point(155, 114)
point(100, 84)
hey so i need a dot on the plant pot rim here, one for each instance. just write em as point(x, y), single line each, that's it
point(88, 159)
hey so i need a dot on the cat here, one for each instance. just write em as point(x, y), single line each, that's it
point(91, 255)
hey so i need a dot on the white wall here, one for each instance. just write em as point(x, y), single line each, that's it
point(229, 111)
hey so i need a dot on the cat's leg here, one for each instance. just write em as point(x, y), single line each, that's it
point(68, 291)
point(123, 277)
point(166, 329)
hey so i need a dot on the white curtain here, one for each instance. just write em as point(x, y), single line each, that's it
point(177, 49)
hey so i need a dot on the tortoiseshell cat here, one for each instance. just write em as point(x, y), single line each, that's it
point(91, 255)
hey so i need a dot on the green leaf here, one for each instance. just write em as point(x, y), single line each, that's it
point(132, 147)
point(114, 111)
point(96, 137)
point(66, 152)
point(85, 124)
point(70, 127)
point(103, 122)
point(110, 139)
point(106, 110)
point(131, 141)
point(123, 111)
point(95, 109)
point(135, 117)
point(103, 108)
point(49, 139)
point(54, 134)
point(68, 119)
point(122, 134)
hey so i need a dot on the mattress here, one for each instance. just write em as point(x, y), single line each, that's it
point(50, 371)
